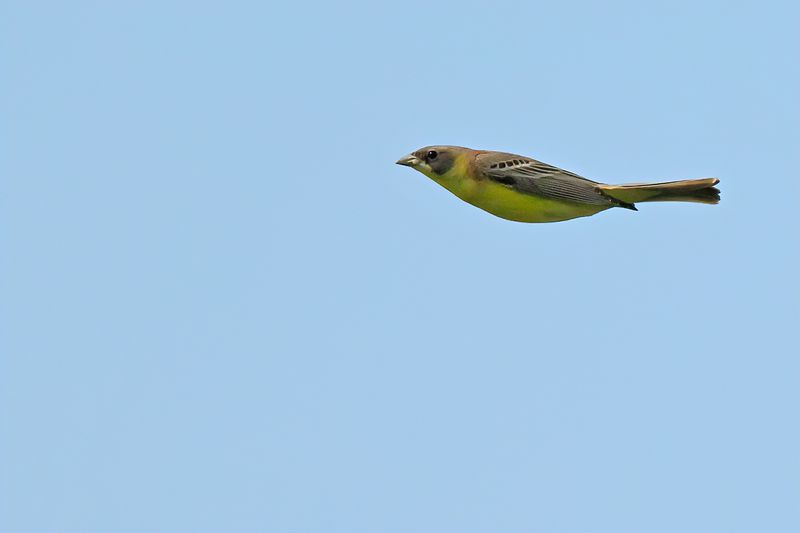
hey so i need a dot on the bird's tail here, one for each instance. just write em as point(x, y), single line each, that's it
point(700, 190)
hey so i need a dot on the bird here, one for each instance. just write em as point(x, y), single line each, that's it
point(522, 189)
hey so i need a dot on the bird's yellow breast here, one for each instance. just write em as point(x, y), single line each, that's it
point(506, 202)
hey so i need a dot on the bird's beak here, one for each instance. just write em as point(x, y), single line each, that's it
point(409, 160)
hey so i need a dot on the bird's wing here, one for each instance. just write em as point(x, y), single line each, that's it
point(529, 176)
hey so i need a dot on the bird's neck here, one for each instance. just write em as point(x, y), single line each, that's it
point(458, 179)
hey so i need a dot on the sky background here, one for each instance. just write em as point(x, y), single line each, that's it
point(225, 308)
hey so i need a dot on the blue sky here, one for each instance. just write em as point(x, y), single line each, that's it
point(226, 309)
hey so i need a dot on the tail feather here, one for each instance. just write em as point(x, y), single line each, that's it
point(699, 190)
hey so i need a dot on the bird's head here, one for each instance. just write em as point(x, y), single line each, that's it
point(433, 161)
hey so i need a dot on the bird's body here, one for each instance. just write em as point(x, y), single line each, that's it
point(505, 201)
point(525, 190)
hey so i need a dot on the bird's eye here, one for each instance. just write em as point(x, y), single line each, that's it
point(432, 155)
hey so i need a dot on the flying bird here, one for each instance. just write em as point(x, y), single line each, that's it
point(520, 188)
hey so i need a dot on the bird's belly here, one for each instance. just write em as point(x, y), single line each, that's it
point(506, 203)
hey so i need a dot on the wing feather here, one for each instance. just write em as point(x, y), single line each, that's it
point(529, 176)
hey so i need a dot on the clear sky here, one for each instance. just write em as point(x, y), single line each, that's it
point(225, 308)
